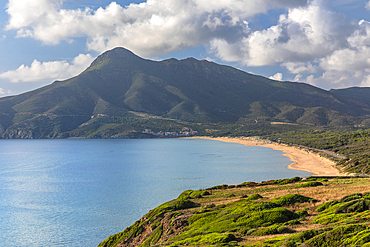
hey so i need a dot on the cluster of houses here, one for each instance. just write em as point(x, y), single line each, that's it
point(184, 132)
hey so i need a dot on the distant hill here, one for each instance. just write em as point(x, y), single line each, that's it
point(120, 89)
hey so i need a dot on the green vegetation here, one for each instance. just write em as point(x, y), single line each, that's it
point(292, 199)
point(310, 184)
point(351, 144)
point(272, 217)
point(119, 88)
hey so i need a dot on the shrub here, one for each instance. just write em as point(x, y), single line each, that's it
point(326, 205)
point(254, 197)
point(274, 229)
point(173, 205)
point(290, 180)
point(351, 197)
point(360, 239)
point(358, 205)
point(269, 217)
point(218, 187)
point(310, 184)
point(211, 238)
point(300, 238)
point(302, 213)
point(336, 236)
point(367, 195)
point(260, 206)
point(192, 194)
point(291, 199)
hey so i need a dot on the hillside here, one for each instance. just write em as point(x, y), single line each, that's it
point(288, 212)
point(121, 93)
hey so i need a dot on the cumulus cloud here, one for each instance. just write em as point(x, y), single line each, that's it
point(335, 79)
point(148, 28)
point(366, 81)
point(367, 6)
point(310, 39)
point(4, 92)
point(48, 70)
point(300, 67)
point(348, 66)
point(303, 34)
point(277, 77)
point(297, 77)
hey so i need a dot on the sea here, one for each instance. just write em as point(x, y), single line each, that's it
point(78, 192)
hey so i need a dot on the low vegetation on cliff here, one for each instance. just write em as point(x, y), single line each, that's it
point(287, 212)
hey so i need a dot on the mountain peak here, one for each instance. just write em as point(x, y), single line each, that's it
point(120, 52)
point(114, 54)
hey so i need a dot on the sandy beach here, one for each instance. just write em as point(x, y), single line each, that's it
point(302, 159)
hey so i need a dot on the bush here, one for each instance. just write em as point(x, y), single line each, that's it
point(300, 238)
point(274, 229)
point(193, 194)
point(254, 197)
point(326, 205)
point(366, 195)
point(269, 217)
point(351, 197)
point(336, 236)
point(173, 205)
point(358, 205)
point(310, 184)
point(302, 213)
point(211, 238)
point(292, 199)
point(260, 206)
point(218, 187)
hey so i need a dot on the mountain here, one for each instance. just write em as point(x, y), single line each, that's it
point(120, 90)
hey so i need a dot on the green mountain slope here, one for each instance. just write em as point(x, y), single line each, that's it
point(119, 87)
point(321, 212)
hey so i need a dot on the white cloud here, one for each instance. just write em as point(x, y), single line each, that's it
point(149, 28)
point(4, 93)
point(300, 67)
point(297, 77)
point(350, 65)
point(334, 79)
point(277, 77)
point(304, 34)
point(308, 39)
point(365, 82)
point(367, 6)
point(48, 70)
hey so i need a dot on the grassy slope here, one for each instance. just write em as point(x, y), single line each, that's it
point(273, 213)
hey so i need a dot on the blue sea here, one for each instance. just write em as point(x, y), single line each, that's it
point(78, 192)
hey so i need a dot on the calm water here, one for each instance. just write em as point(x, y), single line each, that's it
point(78, 192)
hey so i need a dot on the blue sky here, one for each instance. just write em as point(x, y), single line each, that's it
point(320, 42)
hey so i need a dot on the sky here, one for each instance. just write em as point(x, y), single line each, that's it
point(321, 42)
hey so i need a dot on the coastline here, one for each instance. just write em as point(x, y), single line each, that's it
point(303, 160)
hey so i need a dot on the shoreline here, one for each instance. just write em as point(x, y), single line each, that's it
point(303, 160)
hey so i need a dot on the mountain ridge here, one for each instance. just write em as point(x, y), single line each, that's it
point(118, 82)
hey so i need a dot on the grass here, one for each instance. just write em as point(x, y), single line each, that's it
point(273, 214)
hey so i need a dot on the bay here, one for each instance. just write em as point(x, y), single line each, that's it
point(78, 192)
